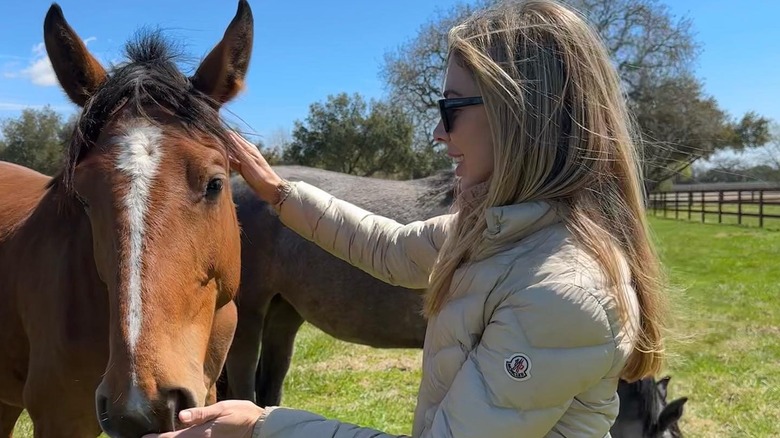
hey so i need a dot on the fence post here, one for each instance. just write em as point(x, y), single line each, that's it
point(702, 206)
point(654, 197)
point(676, 205)
point(739, 207)
point(664, 201)
point(690, 204)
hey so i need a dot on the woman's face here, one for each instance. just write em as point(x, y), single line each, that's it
point(468, 141)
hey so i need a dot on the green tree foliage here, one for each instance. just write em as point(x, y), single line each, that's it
point(35, 139)
point(345, 134)
point(680, 126)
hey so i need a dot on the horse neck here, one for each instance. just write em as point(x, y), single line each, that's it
point(58, 237)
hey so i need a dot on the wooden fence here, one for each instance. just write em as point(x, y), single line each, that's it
point(749, 206)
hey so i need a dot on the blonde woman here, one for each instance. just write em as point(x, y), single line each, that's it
point(542, 285)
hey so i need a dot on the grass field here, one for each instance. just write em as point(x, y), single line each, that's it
point(726, 360)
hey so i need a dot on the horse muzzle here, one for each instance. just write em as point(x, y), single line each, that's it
point(136, 415)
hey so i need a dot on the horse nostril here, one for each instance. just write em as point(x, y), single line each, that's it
point(179, 399)
point(122, 421)
point(102, 412)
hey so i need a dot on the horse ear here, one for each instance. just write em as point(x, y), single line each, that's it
point(221, 74)
point(671, 413)
point(661, 385)
point(78, 72)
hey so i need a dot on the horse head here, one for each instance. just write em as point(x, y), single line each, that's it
point(644, 412)
point(148, 163)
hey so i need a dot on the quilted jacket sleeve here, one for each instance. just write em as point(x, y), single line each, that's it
point(294, 423)
point(518, 381)
point(402, 255)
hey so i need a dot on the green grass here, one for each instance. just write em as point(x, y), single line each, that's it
point(726, 357)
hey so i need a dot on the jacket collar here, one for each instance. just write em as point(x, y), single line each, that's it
point(512, 223)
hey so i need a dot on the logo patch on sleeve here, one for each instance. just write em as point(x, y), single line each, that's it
point(518, 367)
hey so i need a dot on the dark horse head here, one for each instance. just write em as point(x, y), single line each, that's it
point(644, 412)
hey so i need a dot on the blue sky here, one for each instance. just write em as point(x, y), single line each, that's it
point(307, 49)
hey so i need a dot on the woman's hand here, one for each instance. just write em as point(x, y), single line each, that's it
point(250, 163)
point(225, 419)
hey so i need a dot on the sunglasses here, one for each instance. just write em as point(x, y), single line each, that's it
point(446, 106)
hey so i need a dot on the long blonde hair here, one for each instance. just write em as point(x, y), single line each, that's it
point(560, 131)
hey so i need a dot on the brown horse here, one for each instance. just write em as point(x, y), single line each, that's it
point(117, 275)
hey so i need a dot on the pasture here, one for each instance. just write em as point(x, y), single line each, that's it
point(726, 357)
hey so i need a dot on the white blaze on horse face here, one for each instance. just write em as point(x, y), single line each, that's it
point(139, 158)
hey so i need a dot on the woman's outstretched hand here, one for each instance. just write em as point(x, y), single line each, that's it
point(226, 419)
point(250, 163)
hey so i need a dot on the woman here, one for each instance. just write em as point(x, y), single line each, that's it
point(543, 286)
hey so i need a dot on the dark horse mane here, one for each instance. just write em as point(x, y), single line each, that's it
point(148, 77)
point(647, 390)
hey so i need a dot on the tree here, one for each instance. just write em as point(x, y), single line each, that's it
point(344, 135)
point(273, 149)
point(414, 75)
point(680, 126)
point(771, 152)
point(734, 170)
point(271, 154)
point(36, 139)
point(653, 53)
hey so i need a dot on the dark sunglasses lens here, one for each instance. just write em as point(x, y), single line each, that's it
point(444, 114)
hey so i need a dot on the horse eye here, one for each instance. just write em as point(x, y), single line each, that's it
point(214, 187)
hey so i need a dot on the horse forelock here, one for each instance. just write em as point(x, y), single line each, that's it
point(644, 391)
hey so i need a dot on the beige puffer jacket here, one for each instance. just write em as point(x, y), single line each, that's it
point(530, 344)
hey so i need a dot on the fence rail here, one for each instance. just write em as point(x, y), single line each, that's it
point(759, 205)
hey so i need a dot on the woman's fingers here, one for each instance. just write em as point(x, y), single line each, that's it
point(201, 415)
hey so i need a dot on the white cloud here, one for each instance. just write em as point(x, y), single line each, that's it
point(39, 49)
point(39, 71)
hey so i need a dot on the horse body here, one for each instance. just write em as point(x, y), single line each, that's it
point(287, 279)
point(43, 278)
point(117, 275)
